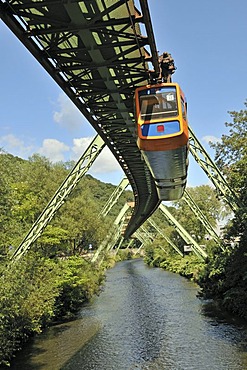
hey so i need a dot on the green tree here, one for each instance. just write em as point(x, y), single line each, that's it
point(28, 292)
point(11, 170)
point(80, 218)
point(225, 275)
point(231, 157)
point(206, 199)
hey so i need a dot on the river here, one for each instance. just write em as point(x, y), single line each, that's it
point(145, 318)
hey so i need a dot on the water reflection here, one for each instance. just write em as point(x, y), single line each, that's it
point(52, 349)
point(231, 329)
point(144, 319)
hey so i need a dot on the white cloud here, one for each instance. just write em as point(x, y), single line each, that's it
point(79, 146)
point(105, 166)
point(53, 149)
point(210, 139)
point(12, 144)
point(105, 162)
point(11, 141)
point(68, 116)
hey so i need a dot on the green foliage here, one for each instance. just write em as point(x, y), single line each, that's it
point(206, 199)
point(224, 277)
point(154, 252)
point(78, 281)
point(231, 157)
point(27, 296)
point(188, 266)
point(125, 254)
point(10, 168)
point(23, 197)
point(47, 284)
point(37, 291)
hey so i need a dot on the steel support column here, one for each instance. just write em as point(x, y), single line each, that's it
point(79, 170)
point(183, 233)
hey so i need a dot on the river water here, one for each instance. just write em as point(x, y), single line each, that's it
point(145, 318)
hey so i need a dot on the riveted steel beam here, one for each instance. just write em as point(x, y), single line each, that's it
point(169, 241)
point(213, 173)
point(78, 171)
point(183, 233)
point(85, 28)
point(200, 215)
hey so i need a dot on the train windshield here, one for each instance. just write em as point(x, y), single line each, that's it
point(158, 103)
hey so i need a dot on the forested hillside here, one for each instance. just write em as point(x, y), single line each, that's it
point(27, 186)
point(52, 280)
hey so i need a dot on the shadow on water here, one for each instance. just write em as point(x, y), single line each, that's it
point(232, 328)
point(53, 348)
point(215, 311)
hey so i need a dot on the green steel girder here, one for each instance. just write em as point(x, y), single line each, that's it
point(157, 228)
point(113, 235)
point(79, 170)
point(182, 232)
point(114, 197)
point(131, 241)
point(117, 239)
point(95, 52)
point(138, 250)
point(142, 236)
point(121, 214)
point(119, 244)
point(145, 234)
point(199, 214)
point(212, 171)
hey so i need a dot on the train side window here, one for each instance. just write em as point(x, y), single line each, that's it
point(183, 108)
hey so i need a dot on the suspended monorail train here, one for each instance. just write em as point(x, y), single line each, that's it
point(163, 137)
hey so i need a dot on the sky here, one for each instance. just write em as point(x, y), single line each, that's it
point(208, 43)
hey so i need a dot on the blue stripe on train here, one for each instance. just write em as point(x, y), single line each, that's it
point(155, 129)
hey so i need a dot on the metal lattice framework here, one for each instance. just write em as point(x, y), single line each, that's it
point(213, 173)
point(95, 52)
point(62, 193)
point(182, 232)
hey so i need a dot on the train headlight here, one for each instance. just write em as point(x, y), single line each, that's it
point(160, 128)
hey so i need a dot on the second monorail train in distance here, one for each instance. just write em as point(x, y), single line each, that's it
point(163, 136)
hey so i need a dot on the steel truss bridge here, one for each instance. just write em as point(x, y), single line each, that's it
point(95, 51)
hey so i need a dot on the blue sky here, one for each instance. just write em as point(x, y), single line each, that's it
point(207, 41)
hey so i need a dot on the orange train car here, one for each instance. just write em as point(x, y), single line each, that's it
point(163, 137)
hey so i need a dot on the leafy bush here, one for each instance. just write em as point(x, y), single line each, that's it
point(27, 296)
point(77, 282)
point(36, 291)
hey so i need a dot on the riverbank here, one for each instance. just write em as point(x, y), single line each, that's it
point(144, 318)
point(188, 266)
point(39, 292)
point(42, 292)
point(221, 278)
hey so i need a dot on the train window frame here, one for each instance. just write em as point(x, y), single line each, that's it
point(184, 113)
point(163, 95)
